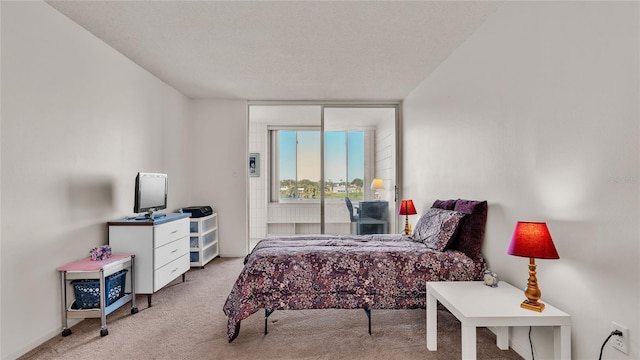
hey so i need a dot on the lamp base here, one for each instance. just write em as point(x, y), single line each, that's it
point(532, 305)
point(407, 229)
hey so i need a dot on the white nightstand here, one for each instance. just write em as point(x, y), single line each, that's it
point(478, 305)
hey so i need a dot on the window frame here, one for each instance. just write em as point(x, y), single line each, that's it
point(274, 166)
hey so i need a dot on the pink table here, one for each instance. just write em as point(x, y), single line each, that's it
point(91, 265)
point(94, 269)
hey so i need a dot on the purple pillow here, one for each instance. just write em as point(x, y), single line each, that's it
point(437, 228)
point(444, 204)
point(471, 234)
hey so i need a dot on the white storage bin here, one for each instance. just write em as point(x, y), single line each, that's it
point(203, 239)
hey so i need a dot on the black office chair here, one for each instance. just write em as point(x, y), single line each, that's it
point(354, 218)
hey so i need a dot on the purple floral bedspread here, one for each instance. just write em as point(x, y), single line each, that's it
point(341, 272)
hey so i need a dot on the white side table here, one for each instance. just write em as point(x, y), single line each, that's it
point(478, 305)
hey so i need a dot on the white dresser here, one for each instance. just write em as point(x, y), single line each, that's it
point(161, 247)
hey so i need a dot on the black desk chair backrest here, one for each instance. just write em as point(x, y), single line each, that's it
point(350, 207)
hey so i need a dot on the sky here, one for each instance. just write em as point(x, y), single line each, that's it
point(308, 159)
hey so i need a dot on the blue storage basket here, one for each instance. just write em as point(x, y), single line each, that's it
point(87, 291)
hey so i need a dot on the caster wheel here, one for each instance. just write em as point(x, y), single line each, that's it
point(66, 332)
point(104, 332)
point(134, 310)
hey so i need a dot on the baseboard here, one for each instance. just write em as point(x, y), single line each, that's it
point(39, 341)
point(519, 348)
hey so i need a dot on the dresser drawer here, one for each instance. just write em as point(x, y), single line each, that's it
point(171, 231)
point(171, 251)
point(170, 271)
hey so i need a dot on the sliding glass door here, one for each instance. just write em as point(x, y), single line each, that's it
point(359, 169)
point(314, 160)
point(285, 198)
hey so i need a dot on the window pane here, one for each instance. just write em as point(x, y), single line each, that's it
point(287, 164)
point(335, 164)
point(299, 164)
point(308, 165)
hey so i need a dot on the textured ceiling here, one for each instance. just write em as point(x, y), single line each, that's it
point(299, 50)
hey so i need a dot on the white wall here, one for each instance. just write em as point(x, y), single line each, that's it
point(79, 120)
point(0, 197)
point(259, 186)
point(218, 148)
point(537, 112)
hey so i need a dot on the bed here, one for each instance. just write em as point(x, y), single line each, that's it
point(369, 272)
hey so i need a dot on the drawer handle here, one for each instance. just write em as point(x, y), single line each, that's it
point(174, 231)
point(174, 250)
point(174, 270)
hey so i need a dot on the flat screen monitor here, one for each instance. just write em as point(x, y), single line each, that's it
point(150, 193)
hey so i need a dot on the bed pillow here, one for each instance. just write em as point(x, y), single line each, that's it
point(469, 239)
point(444, 204)
point(437, 228)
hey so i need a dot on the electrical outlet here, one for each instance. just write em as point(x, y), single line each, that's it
point(621, 342)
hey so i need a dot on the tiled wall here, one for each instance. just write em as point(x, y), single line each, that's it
point(385, 166)
point(335, 211)
point(297, 218)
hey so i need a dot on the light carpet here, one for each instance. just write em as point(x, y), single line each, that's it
point(186, 321)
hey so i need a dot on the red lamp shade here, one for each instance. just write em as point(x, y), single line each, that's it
point(407, 208)
point(532, 240)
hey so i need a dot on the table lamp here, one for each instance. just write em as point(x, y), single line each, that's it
point(532, 240)
point(406, 209)
point(376, 185)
